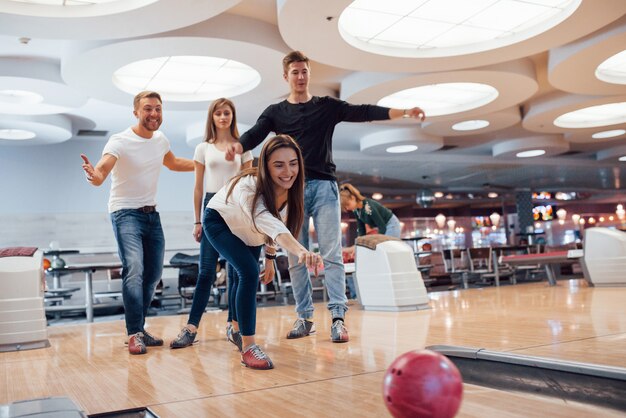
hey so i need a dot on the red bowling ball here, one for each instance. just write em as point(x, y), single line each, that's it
point(422, 383)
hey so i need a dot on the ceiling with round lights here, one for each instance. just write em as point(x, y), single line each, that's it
point(500, 81)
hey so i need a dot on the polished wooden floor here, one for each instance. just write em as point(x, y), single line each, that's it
point(316, 378)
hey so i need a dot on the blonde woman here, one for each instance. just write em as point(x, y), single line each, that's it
point(368, 212)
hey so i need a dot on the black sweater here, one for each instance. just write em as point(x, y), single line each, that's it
point(311, 124)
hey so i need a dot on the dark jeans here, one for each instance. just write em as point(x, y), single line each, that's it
point(141, 247)
point(245, 262)
point(206, 275)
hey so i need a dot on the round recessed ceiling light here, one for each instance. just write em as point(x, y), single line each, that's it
point(399, 149)
point(593, 116)
point(377, 196)
point(530, 153)
point(608, 134)
point(613, 70)
point(470, 125)
point(442, 99)
point(20, 97)
point(622, 158)
point(187, 78)
point(492, 195)
point(16, 134)
point(418, 28)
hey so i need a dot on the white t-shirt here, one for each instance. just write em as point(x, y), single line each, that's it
point(218, 171)
point(136, 172)
point(238, 215)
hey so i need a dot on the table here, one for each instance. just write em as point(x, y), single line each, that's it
point(89, 269)
point(413, 242)
point(57, 262)
point(547, 260)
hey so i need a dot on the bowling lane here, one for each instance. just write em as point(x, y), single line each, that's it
point(361, 396)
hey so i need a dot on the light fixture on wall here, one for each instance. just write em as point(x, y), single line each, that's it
point(440, 220)
point(451, 224)
point(495, 219)
point(561, 214)
point(575, 218)
point(620, 212)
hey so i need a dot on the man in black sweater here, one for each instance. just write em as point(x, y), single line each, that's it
point(311, 121)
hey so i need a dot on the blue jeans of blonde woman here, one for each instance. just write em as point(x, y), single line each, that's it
point(321, 203)
point(206, 275)
point(244, 260)
point(141, 247)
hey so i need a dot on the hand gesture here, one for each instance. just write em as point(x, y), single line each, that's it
point(311, 259)
point(232, 149)
point(88, 168)
point(416, 113)
point(197, 232)
point(267, 275)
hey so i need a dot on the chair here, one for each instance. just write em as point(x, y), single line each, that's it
point(481, 263)
point(456, 264)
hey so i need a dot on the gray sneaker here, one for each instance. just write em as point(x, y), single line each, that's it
point(151, 340)
point(184, 339)
point(234, 337)
point(339, 332)
point(301, 328)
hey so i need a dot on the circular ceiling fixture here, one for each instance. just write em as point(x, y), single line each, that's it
point(16, 134)
point(103, 19)
point(613, 70)
point(593, 116)
point(35, 130)
point(533, 146)
point(401, 149)
point(426, 36)
point(608, 134)
point(187, 78)
point(399, 140)
point(418, 29)
point(470, 125)
point(530, 153)
point(21, 97)
point(442, 99)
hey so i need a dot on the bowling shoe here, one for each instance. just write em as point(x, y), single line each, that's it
point(184, 339)
point(136, 344)
point(339, 332)
point(234, 336)
point(301, 328)
point(150, 340)
point(255, 358)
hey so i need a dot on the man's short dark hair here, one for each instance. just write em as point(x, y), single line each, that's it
point(146, 94)
point(294, 56)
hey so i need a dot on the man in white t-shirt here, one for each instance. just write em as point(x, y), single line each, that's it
point(134, 159)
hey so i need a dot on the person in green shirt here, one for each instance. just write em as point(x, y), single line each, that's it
point(368, 212)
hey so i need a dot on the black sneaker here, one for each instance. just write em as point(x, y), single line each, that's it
point(184, 339)
point(150, 340)
point(301, 328)
point(234, 337)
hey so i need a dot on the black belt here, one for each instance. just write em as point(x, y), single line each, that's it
point(147, 209)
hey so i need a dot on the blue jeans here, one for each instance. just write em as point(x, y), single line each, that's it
point(393, 228)
point(321, 201)
point(141, 247)
point(206, 275)
point(245, 262)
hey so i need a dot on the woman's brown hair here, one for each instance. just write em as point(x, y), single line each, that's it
point(265, 185)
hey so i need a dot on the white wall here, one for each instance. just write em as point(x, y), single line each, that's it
point(44, 197)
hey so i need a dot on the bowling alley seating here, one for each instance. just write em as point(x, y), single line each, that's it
point(481, 265)
point(605, 256)
point(22, 317)
point(387, 278)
